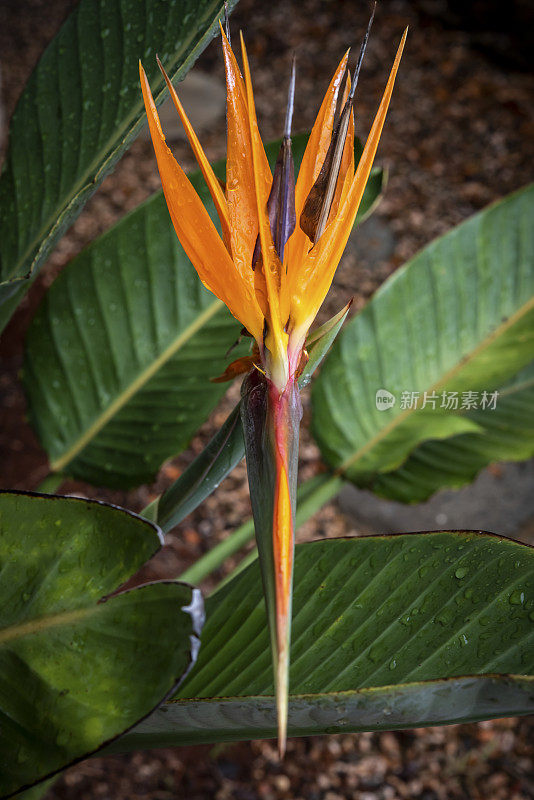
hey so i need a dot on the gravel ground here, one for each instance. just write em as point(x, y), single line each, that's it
point(459, 136)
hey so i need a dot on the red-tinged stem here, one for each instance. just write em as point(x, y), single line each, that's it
point(271, 425)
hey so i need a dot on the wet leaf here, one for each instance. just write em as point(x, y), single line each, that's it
point(80, 110)
point(457, 319)
point(75, 671)
point(388, 632)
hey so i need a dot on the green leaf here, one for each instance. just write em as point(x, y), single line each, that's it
point(459, 317)
point(120, 353)
point(320, 341)
point(77, 672)
point(81, 109)
point(388, 632)
point(506, 434)
point(36, 792)
point(222, 453)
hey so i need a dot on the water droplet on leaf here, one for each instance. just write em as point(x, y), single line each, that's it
point(517, 598)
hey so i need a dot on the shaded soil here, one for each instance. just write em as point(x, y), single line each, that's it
point(460, 134)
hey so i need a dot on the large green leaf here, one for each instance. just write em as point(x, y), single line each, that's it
point(388, 632)
point(458, 318)
point(120, 352)
point(417, 704)
point(506, 434)
point(81, 109)
point(76, 672)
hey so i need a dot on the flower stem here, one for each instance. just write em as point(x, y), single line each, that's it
point(49, 484)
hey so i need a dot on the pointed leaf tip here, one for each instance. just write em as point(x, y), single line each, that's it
point(212, 181)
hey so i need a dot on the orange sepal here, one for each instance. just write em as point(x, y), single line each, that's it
point(317, 271)
point(217, 193)
point(240, 191)
point(196, 231)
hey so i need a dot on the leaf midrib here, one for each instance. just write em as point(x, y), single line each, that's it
point(36, 626)
point(513, 676)
point(92, 174)
point(120, 401)
point(463, 362)
point(516, 388)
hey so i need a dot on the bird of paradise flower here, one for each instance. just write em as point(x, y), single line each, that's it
point(273, 274)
